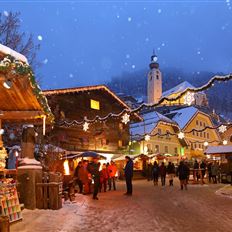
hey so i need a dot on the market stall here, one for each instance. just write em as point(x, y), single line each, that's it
point(21, 101)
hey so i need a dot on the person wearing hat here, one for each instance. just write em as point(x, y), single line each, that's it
point(128, 175)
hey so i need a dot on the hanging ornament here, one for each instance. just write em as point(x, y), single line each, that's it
point(12, 136)
point(85, 126)
point(181, 135)
point(125, 118)
point(222, 128)
point(189, 98)
point(147, 137)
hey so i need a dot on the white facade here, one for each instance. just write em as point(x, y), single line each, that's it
point(154, 87)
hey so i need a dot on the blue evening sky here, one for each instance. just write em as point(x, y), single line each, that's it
point(88, 42)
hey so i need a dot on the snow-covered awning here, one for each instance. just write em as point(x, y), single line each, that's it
point(218, 149)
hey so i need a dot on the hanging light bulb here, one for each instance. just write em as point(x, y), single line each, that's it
point(206, 143)
point(7, 84)
point(225, 142)
point(147, 137)
point(1, 131)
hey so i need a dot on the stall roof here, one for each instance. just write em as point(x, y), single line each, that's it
point(22, 98)
point(218, 149)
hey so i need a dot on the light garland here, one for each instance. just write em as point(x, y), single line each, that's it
point(206, 86)
point(16, 67)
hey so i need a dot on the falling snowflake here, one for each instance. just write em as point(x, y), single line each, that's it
point(147, 39)
point(163, 44)
point(40, 38)
point(133, 66)
point(128, 56)
point(85, 126)
point(71, 75)
point(5, 13)
point(189, 98)
point(222, 128)
point(159, 11)
point(198, 52)
point(45, 61)
point(118, 16)
point(125, 118)
point(147, 137)
point(181, 135)
point(129, 19)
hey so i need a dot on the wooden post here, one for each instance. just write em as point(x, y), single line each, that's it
point(4, 224)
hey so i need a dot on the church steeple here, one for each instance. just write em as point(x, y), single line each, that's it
point(154, 59)
point(154, 86)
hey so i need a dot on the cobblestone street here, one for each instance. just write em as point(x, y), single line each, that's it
point(149, 209)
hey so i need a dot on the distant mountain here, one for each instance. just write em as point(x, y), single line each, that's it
point(135, 84)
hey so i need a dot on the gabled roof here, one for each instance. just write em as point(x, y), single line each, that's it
point(179, 88)
point(182, 116)
point(23, 99)
point(219, 149)
point(151, 120)
point(89, 88)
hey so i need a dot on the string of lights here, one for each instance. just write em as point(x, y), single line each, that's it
point(125, 113)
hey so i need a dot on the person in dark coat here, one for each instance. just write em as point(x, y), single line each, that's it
point(94, 170)
point(183, 172)
point(155, 173)
point(162, 170)
point(171, 172)
point(203, 169)
point(128, 175)
point(78, 181)
point(195, 170)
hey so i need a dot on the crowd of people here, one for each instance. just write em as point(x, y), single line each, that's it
point(90, 178)
point(88, 174)
point(156, 171)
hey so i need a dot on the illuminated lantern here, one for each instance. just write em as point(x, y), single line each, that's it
point(66, 168)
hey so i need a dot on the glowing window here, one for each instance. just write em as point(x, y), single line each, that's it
point(94, 104)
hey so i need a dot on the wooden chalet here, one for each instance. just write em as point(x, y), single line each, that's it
point(110, 136)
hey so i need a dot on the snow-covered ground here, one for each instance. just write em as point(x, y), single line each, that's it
point(159, 209)
point(225, 191)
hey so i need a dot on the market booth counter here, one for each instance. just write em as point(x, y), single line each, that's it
point(222, 154)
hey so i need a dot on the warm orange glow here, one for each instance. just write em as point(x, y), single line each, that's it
point(66, 168)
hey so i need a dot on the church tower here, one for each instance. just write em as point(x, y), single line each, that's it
point(154, 83)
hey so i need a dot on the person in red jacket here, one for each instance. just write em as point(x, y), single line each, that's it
point(103, 177)
point(112, 170)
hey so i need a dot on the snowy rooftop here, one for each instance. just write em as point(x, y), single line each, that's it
point(16, 55)
point(179, 88)
point(183, 116)
point(150, 122)
point(218, 149)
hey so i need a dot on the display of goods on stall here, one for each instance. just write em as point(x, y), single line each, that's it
point(9, 201)
point(3, 155)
